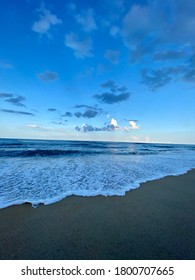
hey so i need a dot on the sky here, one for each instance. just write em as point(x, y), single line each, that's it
point(107, 70)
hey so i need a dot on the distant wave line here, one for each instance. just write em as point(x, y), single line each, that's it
point(45, 153)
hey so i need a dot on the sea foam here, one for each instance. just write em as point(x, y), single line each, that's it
point(92, 168)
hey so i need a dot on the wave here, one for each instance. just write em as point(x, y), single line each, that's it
point(38, 152)
point(43, 173)
point(56, 152)
point(164, 146)
point(10, 144)
point(89, 193)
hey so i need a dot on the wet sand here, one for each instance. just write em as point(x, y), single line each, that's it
point(155, 221)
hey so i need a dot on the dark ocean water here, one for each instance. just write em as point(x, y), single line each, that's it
point(45, 171)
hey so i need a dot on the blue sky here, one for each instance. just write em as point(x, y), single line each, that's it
point(117, 70)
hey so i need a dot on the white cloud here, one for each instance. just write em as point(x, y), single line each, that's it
point(114, 122)
point(110, 126)
point(133, 125)
point(135, 138)
point(81, 48)
point(33, 126)
point(143, 139)
point(44, 128)
point(87, 21)
point(147, 139)
point(45, 22)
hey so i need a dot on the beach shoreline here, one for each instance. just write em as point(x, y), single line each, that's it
point(154, 221)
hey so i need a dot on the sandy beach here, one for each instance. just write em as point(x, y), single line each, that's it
point(155, 221)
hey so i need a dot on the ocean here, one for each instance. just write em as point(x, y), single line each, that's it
point(47, 171)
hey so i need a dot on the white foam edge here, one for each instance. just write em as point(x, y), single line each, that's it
point(85, 193)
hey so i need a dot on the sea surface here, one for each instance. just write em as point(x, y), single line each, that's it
point(46, 171)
